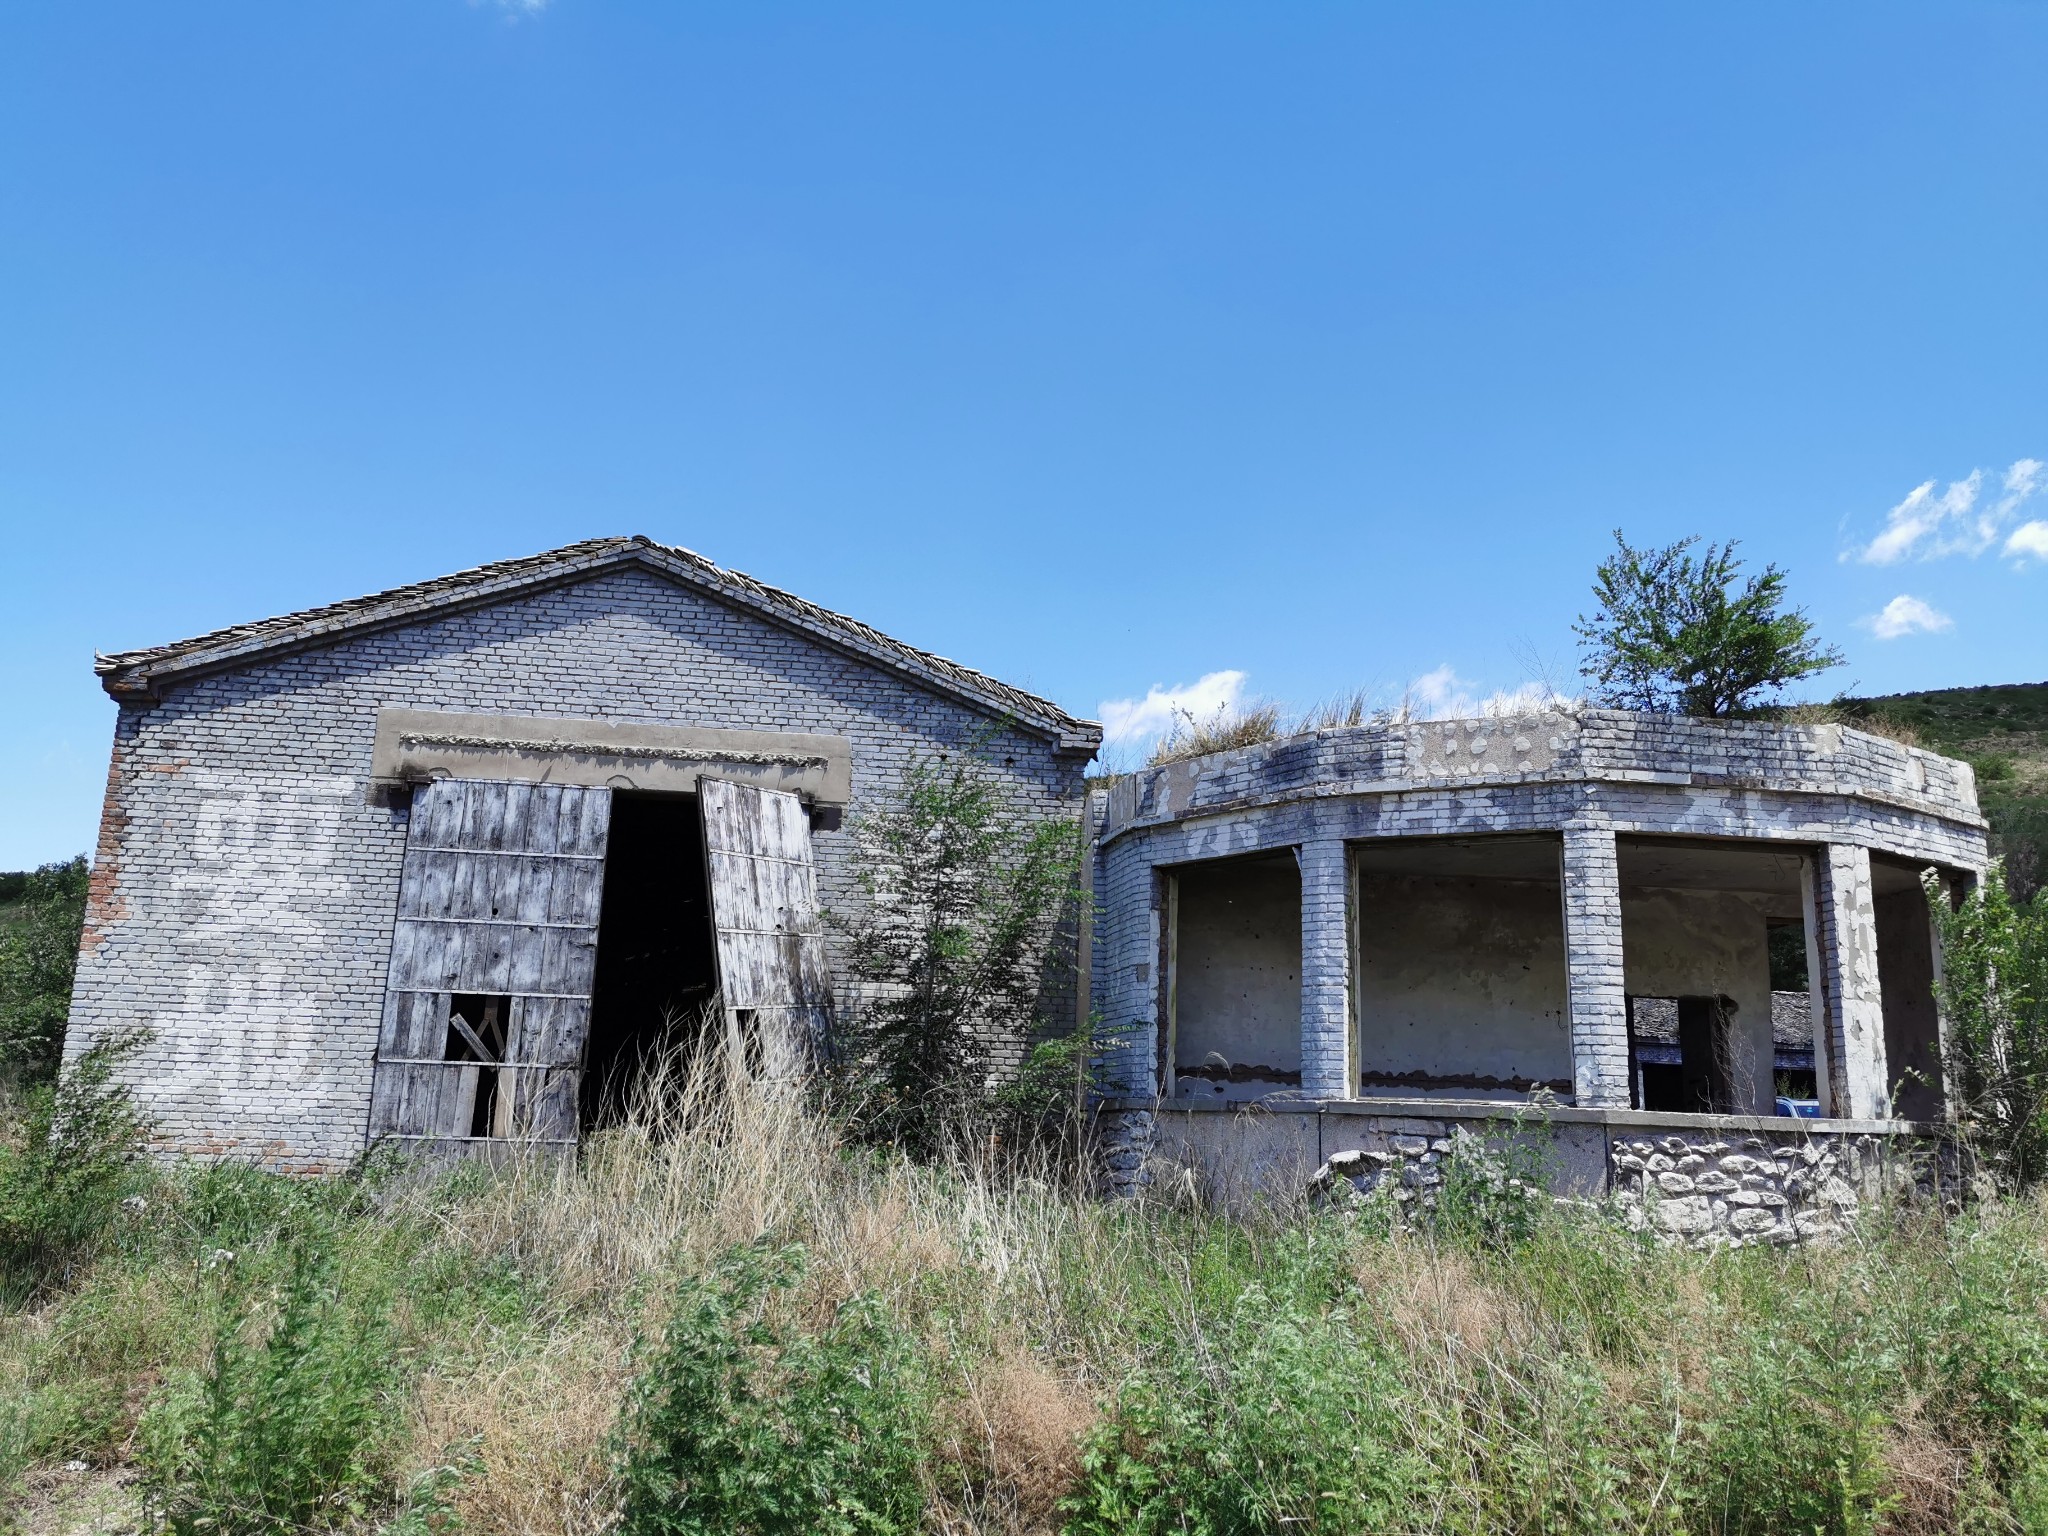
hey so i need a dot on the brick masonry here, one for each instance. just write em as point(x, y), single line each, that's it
point(246, 878)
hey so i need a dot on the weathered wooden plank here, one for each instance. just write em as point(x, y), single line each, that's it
point(772, 969)
point(532, 813)
point(584, 821)
point(544, 1103)
point(482, 817)
point(549, 1031)
point(486, 906)
point(422, 1099)
point(415, 1024)
point(576, 891)
point(566, 962)
point(436, 814)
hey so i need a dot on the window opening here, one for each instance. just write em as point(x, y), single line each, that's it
point(477, 1030)
point(1714, 947)
point(1230, 973)
point(1460, 982)
point(1683, 1049)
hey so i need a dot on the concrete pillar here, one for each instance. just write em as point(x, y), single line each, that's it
point(1595, 997)
point(1325, 969)
point(1848, 1033)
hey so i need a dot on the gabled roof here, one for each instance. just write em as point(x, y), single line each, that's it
point(141, 675)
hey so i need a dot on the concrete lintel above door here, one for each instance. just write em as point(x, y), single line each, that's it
point(415, 745)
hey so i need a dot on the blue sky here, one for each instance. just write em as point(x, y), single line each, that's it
point(1104, 347)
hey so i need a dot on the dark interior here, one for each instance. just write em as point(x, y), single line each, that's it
point(656, 967)
point(1701, 1081)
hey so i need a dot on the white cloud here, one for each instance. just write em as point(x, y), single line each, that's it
point(1129, 721)
point(1441, 694)
point(2028, 539)
point(1927, 526)
point(1905, 615)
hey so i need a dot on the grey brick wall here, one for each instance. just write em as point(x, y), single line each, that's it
point(245, 884)
point(1850, 1028)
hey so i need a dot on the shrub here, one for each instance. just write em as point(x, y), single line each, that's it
point(950, 951)
point(1672, 634)
point(741, 1423)
point(287, 1430)
point(38, 954)
point(1493, 1195)
point(62, 1182)
point(1277, 1416)
point(1994, 992)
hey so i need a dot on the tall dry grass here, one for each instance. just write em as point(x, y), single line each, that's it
point(980, 1255)
point(1166, 1366)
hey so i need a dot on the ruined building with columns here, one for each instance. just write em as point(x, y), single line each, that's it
point(1331, 955)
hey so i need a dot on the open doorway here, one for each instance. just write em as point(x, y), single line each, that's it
point(656, 962)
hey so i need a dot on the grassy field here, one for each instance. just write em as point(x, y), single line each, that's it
point(725, 1321)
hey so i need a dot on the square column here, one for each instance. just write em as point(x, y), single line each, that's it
point(1596, 999)
point(1848, 1032)
point(1325, 969)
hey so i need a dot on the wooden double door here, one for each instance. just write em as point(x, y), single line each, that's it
point(487, 1010)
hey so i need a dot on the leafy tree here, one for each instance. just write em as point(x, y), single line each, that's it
point(1994, 995)
point(1675, 634)
point(38, 954)
point(964, 900)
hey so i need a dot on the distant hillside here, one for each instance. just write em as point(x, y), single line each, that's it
point(12, 884)
point(2002, 730)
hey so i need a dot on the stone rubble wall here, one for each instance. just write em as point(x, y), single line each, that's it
point(1740, 1189)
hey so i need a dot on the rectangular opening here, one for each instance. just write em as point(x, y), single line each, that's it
point(1794, 1079)
point(479, 1030)
point(1683, 1053)
point(1460, 974)
point(1232, 972)
point(1905, 978)
point(1714, 930)
point(657, 967)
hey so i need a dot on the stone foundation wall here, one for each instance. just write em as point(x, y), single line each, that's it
point(1769, 1188)
point(1733, 1180)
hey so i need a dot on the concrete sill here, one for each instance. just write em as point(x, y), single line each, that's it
point(1620, 1120)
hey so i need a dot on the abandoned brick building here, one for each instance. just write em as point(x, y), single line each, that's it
point(434, 863)
point(1381, 935)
